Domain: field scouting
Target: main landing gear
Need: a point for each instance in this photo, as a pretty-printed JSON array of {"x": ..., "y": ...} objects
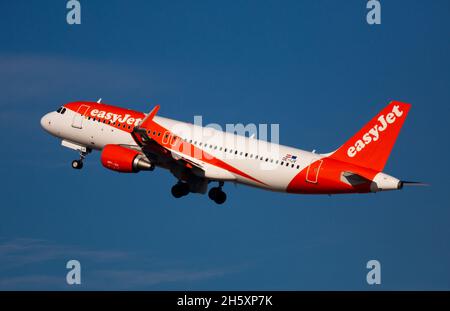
[
  {"x": 217, "y": 195},
  {"x": 78, "y": 164},
  {"x": 180, "y": 189}
]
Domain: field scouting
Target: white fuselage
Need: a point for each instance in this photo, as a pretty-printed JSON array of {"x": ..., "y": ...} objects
[
  {"x": 260, "y": 159},
  {"x": 197, "y": 154}
]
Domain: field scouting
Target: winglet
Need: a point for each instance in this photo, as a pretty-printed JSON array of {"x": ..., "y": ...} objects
[{"x": 149, "y": 118}]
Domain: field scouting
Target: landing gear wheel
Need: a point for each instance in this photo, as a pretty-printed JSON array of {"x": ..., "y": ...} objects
[
  {"x": 213, "y": 193},
  {"x": 185, "y": 189},
  {"x": 221, "y": 197},
  {"x": 77, "y": 164},
  {"x": 179, "y": 190},
  {"x": 217, "y": 195},
  {"x": 176, "y": 192}
]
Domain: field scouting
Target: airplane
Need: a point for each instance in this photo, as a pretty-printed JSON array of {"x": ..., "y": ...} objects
[{"x": 131, "y": 141}]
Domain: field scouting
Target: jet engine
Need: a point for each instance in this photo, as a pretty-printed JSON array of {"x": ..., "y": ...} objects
[{"x": 124, "y": 160}]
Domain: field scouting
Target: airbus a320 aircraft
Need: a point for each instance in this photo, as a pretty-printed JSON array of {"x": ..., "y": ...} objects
[{"x": 131, "y": 141}]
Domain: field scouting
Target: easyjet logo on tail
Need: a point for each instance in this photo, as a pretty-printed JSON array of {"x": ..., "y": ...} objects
[{"x": 384, "y": 121}]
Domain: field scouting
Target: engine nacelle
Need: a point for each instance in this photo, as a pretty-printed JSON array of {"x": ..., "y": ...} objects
[{"x": 124, "y": 160}]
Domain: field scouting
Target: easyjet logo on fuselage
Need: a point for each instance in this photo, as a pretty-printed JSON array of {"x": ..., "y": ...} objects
[
  {"x": 128, "y": 119},
  {"x": 374, "y": 133}
]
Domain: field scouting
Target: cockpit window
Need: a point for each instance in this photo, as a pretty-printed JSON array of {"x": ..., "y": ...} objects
[{"x": 61, "y": 110}]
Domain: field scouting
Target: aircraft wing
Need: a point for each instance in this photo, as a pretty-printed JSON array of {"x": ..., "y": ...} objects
[
  {"x": 168, "y": 150},
  {"x": 153, "y": 147}
]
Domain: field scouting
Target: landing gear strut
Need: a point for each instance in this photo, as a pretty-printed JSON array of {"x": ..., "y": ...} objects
[
  {"x": 78, "y": 164},
  {"x": 180, "y": 189},
  {"x": 217, "y": 195}
]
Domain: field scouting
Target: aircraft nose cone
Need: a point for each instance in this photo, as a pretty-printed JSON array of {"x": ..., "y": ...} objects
[{"x": 46, "y": 122}]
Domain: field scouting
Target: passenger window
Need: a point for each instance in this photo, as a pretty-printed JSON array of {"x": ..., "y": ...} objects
[
  {"x": 59, "y": 110},
  {"x": 282, "y": 163},
  {"x": 63, "y": 110},
  {"x": 298, "y": 166}
]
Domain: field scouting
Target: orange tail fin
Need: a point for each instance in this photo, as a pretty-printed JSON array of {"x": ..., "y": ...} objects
[{"x": 371, "y": 146}]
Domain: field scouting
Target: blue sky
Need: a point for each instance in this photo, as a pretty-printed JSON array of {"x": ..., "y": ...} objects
[{"x": 315, "y": 67}]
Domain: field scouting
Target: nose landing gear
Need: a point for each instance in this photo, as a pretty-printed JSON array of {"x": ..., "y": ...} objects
[
  {"x": 78, "y": 164},
  {"x": 217, "y": 195}
]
